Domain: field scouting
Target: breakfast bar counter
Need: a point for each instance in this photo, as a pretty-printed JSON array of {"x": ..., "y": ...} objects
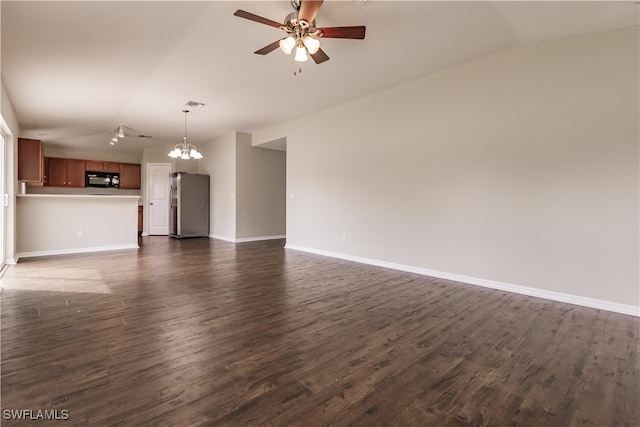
[{"x": 51, "y": 224}]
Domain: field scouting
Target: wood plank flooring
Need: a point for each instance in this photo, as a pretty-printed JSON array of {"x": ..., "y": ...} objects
[{"x": 205, "y": 332}]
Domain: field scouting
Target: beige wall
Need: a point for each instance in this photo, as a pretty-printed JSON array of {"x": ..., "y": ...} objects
[
  {"x": 519, "y": 168},
  {"x": 10, "y": 127},
  {"x": 105, "y": 155},
  {"x": 261, "y": 190},
  {"x": 248, "y": 188},
  {"x": 219, "y": 163}
]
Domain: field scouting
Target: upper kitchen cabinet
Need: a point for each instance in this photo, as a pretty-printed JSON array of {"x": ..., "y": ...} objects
[
  {"x": 130, "y": 176},
  {"x": 65, "y": 172},
  {"x": 31, "y": 161},
  {"x": 98, "y": 166}
]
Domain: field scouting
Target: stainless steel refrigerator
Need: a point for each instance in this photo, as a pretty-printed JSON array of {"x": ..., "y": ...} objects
[{"x": 189, "y": 209}]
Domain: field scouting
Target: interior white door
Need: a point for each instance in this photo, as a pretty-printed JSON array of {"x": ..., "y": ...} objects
[{"x": 159, "y": 183}]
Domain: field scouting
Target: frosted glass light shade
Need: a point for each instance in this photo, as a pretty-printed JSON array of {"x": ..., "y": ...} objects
[
  {"x": 301, "y": 54},
  {"x": 287, "y": 45},
  {"x": 311, "y": 44}
]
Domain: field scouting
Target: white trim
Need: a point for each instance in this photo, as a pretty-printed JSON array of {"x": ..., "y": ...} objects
[
  {"x": 259, "y": 238},
  {"x": 77, "y": 250},
  {"x": 225, "y": 238},
  {"x": 246, "y": 239},
  {"x": 11, "y": 261},
  {"x": 518, "y": 289}
]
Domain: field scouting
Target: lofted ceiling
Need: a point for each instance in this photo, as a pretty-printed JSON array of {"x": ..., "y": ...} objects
[{"x": 76, "y": 70}]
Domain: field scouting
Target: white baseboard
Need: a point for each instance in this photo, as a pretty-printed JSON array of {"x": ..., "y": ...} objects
[
  {"x": 259, "y": 238},
  {"x": 11, "y": 261},
  {"x": 518, "y": 289},
  {"x": 225, "y": 238},
  {"x": 76, "y": 250},
  {"x": 246, "y": 239}
]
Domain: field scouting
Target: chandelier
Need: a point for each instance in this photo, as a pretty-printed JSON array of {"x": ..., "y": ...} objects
[{"x": 185, "y": 150}]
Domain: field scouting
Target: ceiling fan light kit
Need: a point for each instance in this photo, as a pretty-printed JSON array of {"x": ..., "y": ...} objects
[{"x": 302, "y": 33}]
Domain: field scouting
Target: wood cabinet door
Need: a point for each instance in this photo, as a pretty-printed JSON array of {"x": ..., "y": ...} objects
[
  {"x": 65, "y": 172},
  {"x": 94, "y": 165},
  {"x": 111, "y": 167},
  {"x": 99, "y": 166},
  {"x": 57, "y": 173},
  {"x": 130, "y": 176},
  {"x": 75, "y": 172},
  {"x": 30, "y": 160}
]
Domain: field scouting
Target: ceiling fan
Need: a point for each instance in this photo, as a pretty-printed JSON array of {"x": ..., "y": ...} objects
[{"x": 302, "y": 33}]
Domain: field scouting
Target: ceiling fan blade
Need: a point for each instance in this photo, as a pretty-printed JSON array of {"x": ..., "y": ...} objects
[
  {"x": 356, "y": 32},
  {"x": 309, "y": 9},
  {"x": 319, "y": 57},
  {"x": 268, "y": 48},
  {"x": 250, "y": 16}
]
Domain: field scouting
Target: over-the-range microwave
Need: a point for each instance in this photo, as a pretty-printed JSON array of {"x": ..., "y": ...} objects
[{"x": 102, "y": 179}]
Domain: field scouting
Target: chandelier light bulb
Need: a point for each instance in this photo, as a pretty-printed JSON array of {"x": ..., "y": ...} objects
[{"x": 121, "y": 132}]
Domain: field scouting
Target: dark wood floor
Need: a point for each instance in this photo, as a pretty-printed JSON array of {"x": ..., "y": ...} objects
[{"x": 204, "y": 332}]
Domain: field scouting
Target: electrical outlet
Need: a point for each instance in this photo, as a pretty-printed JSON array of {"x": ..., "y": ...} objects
[
  {"x": 344, "y": 237},
  {"x": 80, "y": 233}
]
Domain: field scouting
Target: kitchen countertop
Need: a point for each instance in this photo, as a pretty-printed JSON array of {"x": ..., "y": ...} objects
[{"x": 79, "y": 196}]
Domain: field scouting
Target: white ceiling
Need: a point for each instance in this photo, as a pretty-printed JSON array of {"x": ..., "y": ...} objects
[{"x": 76, "y": 70}]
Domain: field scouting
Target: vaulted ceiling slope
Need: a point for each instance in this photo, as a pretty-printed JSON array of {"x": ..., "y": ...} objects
[{"x": 76, "y": 70}]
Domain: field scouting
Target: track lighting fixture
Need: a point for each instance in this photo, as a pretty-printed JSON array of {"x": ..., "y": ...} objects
[{"x": 117, "y": 134}]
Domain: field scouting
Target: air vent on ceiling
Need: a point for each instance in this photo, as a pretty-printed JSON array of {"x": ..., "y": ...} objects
[{"x": 195, "y": 104}]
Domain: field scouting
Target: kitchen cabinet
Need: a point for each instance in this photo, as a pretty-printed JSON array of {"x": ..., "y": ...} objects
[
  {"x": 140, "y": 219},
  {"x": 65, "y": 172},
  {"x": 130, "y": 176},
  {"x": 98, "y": 166},
  {"x": 31, "y": 161}
]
